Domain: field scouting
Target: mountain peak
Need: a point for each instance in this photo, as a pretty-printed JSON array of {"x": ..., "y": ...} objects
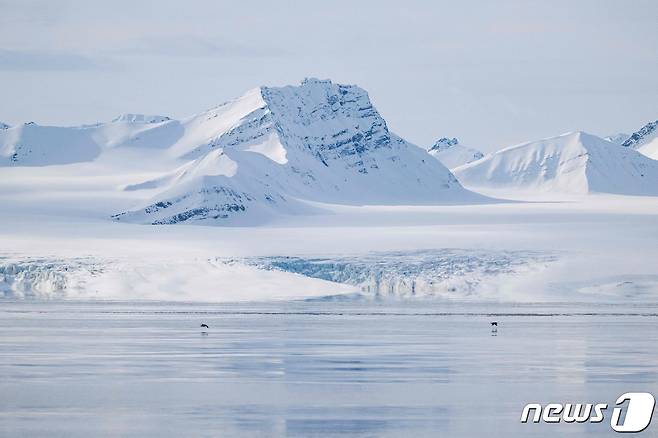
[
  {"x": 333, "y": 122},
  {"x": 574, "y": 162},
  {"x": 452, "y": 154},
  {"x": 444, "y": 143}
]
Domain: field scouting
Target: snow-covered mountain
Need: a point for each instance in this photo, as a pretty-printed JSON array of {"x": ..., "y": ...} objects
[
  {"x": 273, "y": 148},
  {"x": 573, "y": 163},
  {"x": 453, "y": 154},
  {"x": 645, "y": 140},
  {"x": 4, "y": 126}
]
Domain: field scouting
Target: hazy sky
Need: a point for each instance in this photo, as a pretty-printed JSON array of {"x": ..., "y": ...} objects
[{"x": 492, "y": 73}]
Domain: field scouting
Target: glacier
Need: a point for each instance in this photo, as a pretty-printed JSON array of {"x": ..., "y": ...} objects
[
  {"x": 447, "y": 273},
  {"x": 441, "y": 273}
]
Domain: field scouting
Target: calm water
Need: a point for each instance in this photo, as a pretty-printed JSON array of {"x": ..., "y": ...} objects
[{"x": 314, "y": 369}]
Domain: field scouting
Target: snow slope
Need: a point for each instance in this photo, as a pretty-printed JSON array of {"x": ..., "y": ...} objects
[
  {"x": 453, "y": 154},
  {"x": 575, "y": 162},
  {"x": 264, "y": 153},
  {"x": 645, "y": 140}
]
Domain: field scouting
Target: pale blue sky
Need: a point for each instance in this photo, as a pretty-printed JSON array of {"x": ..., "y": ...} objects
[{"x": 490, "y": 73}]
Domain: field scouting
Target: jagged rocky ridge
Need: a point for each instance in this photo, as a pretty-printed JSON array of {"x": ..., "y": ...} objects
[
  {"x": 638, "y": 138},
  {"x": 645, "y": 140}
]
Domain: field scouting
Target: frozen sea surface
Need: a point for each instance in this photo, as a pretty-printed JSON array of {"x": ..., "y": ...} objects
[{"x": 306, "y": 369}]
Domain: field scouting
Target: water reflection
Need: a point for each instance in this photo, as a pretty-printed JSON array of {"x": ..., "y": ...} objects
[{"x": 304, "y": 369}]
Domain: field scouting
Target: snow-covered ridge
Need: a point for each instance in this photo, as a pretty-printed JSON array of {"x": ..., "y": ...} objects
[
  {"x": 30, "y": 144},
  {"x": 572, "y": 163},
  {"x": 453, "y": 154}
]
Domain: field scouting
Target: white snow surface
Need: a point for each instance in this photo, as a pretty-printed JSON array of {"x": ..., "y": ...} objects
[
  {"x": 453, "y": 154},
  {"x": 575, "y": 162}
]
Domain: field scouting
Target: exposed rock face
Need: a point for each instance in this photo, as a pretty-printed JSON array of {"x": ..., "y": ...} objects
[
  {"x": 645, "y": 140},
  {"x": 443, "y": 144},
  {"x": 637, "y": 139}
]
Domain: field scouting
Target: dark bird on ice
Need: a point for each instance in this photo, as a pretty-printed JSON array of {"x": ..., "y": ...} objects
[
  {"x": 204, "y": 325},
  {"x": 494, "y": 324}
]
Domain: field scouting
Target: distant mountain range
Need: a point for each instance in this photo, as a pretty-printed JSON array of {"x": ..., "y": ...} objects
[{"x": 279, "y": 151}]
